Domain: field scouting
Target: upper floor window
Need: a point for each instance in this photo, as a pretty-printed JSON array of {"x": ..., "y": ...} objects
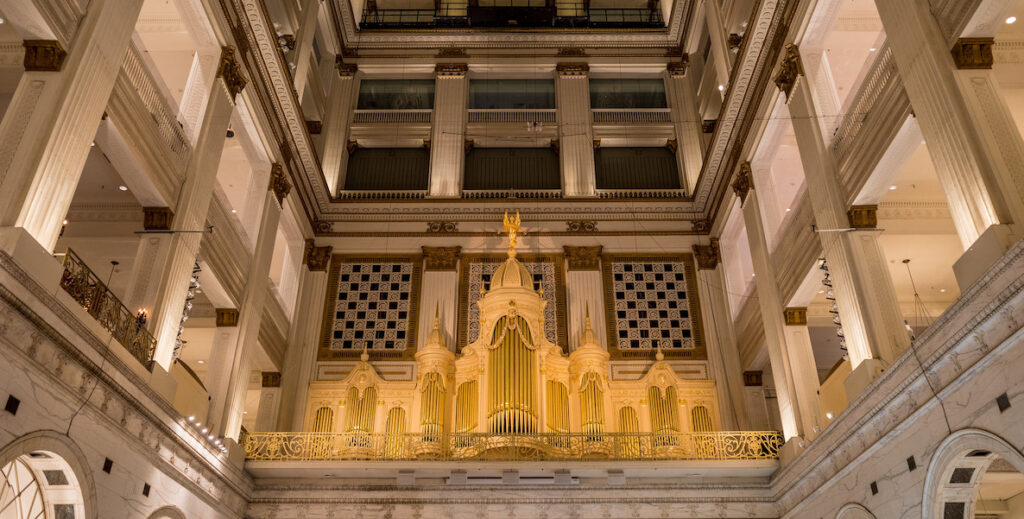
[
  {"x": 396, "y": 94},
  {"x": 524, "y": 94},
  {"x": 627, "y": 93}
]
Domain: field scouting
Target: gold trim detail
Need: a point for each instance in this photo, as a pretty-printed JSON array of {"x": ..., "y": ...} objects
[
  {"x": 230, "y": 71},
  {"x": 226, "y": 317},
  {"x": 571, "y": 70},
  {"x": 863, "y": 216},
  {"x": 973, "y": 53},
  {"x": 442, "y": 258},
  {"x": 583, "y": 258},
  {"x": 791, "y": 69},
  {"x": 451, "y": 70},
  {"x": 795, "y": 316},
  {"x": 43, "y": 56}
]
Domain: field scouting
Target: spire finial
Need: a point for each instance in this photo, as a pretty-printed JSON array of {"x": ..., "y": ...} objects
[
  {"x": 659, "y": 356},
  {"x": 365, "y": 356},
  {"x": 511, "y": 226}
]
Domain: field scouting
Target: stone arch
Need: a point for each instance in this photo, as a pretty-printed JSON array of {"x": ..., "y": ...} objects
[
  {"x": 854, "y": 511},
  {"x": 167, "y": 512},
  {"x": 955, "y": 470},
  {"x": 56, "y": 451}
]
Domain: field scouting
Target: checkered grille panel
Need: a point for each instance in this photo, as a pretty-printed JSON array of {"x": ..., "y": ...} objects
[
  {"x": 651, "y": 306},
  {"x": 543, "y": 277},
  {"x": 373, "y": 307}
]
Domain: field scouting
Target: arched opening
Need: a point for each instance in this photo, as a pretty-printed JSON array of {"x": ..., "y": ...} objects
[
  {"x": 167, "y": 512},
  {"x": 975, "y": 474},
  {"x": 40, "y": 484},
  {"x": 854, "y": 511}
]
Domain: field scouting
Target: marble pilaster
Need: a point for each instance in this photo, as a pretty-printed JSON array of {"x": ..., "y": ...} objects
[
  {"x": 337, "y": 119},
  {"x": 300, "y": 357},
  {"x": 218, "y": 367},
  {"x": 304, "y": 44},
  {"x": 805, "y": 371},
  {"x": 439, "y": 293},
  {"x": 722, "y": 57},
  {"x": 584, "y": 289},
  {"x": 448, "y": 132},
  {"x": 575, "y": 131},
  {"x": 686, "y": 122}
]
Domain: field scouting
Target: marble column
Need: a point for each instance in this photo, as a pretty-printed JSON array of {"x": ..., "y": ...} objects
[
  {"x": 303, "y": 338},
  {"x": 719, "y": 41},
  {"x": 201, "y": 80},
  {"x": 439, "y": 292},
  {"x": 270, "y": 402},
  {"x": 792, "y": 405},
  {"x": 966, "y": 171},
  {"x": 575, "y": 130},
  {"x": 304, "y": 43},
  {"x": 54, "y": 113},
  {"x": 871, "y": 321},
  {"x": 448, "y": 132},
  {"x": 192, "y": 207},
  {"x": 805, "y": 369},
  {"x": 149, "y": 259},
  {"x": 218, "y": 368},
  {"x": 251, "y": 306},
  {"x": 584, "y": 289},
  {"x": 686, "y": 122},
  {"x": 337, "y": 119},
  {"x": 723, "y": 354}
]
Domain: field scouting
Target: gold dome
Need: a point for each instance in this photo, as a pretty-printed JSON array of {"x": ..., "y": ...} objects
[{"x": 512, "y": 274}]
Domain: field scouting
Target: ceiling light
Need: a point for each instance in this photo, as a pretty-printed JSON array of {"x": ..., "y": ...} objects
[
  {"x": 829, "y": 415},
  {"x": 821, "y": 291},
  {"x": 234, "y": 211},
  {"x": 245, "y": 412},
  {"x": 201, "y": 361},
  {"x": 1011, "y": 19},
  {"x": 943, "y": 290},
  {"x": 1, "y": 20},
  {"x": 123, "y": 188},
  {"x": 872, "y": 49},
  {"x": 892, "y": 188},
  {"x": 788, "y": 209},
  {"x": 65, "y": 221},
  {"x": 721, "y": 88}
]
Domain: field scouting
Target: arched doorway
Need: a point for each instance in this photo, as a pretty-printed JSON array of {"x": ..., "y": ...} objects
[
  {"x": 975, "y": 474},
  {"x": 40, "y": 485}
]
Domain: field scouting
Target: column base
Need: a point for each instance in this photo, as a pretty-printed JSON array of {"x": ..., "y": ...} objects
[
  {"x": 791, "y": 450},
  {"x": 861, "y": 377},
  {"x": 982, "y": 254}
]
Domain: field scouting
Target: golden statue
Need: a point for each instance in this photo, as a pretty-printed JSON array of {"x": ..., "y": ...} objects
[{"x": 512, "y": 228}]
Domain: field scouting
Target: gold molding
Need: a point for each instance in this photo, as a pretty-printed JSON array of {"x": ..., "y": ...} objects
[{"x": 863, "y": 216}]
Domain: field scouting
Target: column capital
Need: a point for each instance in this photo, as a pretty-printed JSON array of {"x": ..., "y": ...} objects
[
  {"x": 270, "y": 379},
  {"x": 316, "y": 258},
  {"x": 451, "y": 70},
  {"x": 345, "y": 69},
  {"x": 792, "y": 68},
  {"x": 753, "y": 378},
  {"x": 678, "y": 68},
  {"x": 571, "y": 70},
  {"x": 226, "y": 317},
  {"x": 279, "y": 183},
  {"x": 742, "y": 185},
  {"x": 230, "y": 71},
  {"x": 708, "y": 256},
  {"x": 442, "y": 258},
  {"x": 583, "y": 258},
  {"x": 157, "y": 218},
  {"x": 973, "y": 53},
  {"x": 44, "y": 55},
  {"x": 314, "y": 127},
  {"x": 701, "y": 225},
  {"x": 795, "y": 316},
  {"x": 863, "y": 216}
]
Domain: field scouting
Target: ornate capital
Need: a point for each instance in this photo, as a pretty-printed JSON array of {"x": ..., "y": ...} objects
[
  {"x": 442, "y": 258},
  {"x": 315, "y": 127},
  {"x": 672, "y": 145},
  {"x": 317, "y": 258},
  {"x": 791, "y": 69},
  {"x": 278, "y": 182},
  {"x": 735, "y": 42},
  {"x": 322, "y": 227},
  {"x": 345, "y": 69},
  {"x": 678, "y": 68},
  {"x": 795, "y": 316},
  {"x": 572, "y": 69},
  {"x": 271, "y": 379},
  {"x": 583, "y": 258},
  {"x": 157, "y": 218},
  {"x": 753, "y": 378},
  {"x": 707, "y": 255},
  {"x": 708, "y": 125},
  {"x": 44, "y": 55},
  {"x": 701, "y": 225},
  {"x": 452, "y": 70},
  {"x": 973, "y": 53},
  {"x": 741, "y": 186},
  {"x": 581, "y": 226},
  {"x": 863, "y": 216},
  {"x": 230, "y": 71},
  {"x": 226, "y": 317}
]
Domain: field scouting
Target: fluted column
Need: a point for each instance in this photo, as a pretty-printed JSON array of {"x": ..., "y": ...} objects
[
  {"x": 575, "y": 131},
  {"x": 303, "y": 338},
  {"x": 723, "y": 354},
  {"x": 584, "y": 288},
  {"x": 966, "y": 172},
  {"x": 201, "y": 80},
  {"x": 719, "y": 41},
  {"x": 54, "y": 113},
  {"x": 270, "y": 401},
  {"x": 686, "y": 122},
  {"x": 149, "y": 259},
  {"x": 439, "y": 292},
  {"x": 448, "y": 132},
  {"x": 193, "y": 206},
  {"x": 864, "y": 292},
  {"x": 337, "y": 119},
  {"x": 251, "y": 306},
  {"x": 796, "y": 421},
  {"x": 304, "y": 43},
  {"x": 218, "y": 367},
  {"x": 805, "y": 369}
]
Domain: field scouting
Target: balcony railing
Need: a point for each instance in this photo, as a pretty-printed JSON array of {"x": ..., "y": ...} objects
[
  {"x": 86, "y": 288},
  {"x": 382, "y": 195},
  {"x": 511, "y": 116},
  {"x": 391, "y": 116},
  {"x": 512, "y": 13},
  {"x": 511, "y": 193},
  {"x": 632, "y": 115},
  {"x": 286, "y": 446},
  {"x": 641, "y": 193}
]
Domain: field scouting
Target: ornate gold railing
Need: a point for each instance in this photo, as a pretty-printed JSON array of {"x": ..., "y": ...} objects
[
  {"x": 94, "y": 296},
  {"x": 740, "y": 445}
]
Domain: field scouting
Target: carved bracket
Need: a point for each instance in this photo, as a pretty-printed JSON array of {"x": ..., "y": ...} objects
[
  {"x": 451, "y": 70},
  {"x": 44, "y": 55},
  {"x": 790, "y": 70},
  {"x": 278, "y": 183},
  {"x": 583, "y": 258},
  {"x": 317, "y": 258},
  {"x": 157, "y": 218},
  {"x": 795, "y": 316},
  {"x": 230, "y": 71},
  {"x": 741, "y": 186},
  {"x": 226, "y": 317},
  {"x": 442, "y": 258},
  {"x": 572, "y": 70},
  {"x": 973, "y": 53},
  {"x": 707, "y": 255},
  {"x": 863, "y": 216}
]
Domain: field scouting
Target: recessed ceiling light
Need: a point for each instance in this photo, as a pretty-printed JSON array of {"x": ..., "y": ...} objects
[
  {"x": 821, "y": 291},
  {"x": 892, "y": 188},
  {"x": 1011, "y": 19},
  {"x": 943, "y": 290},
  {"x": 872, "y": 49},
  {"x": 233, "y": 211},
  {"x": 245, "y": 412},
  {"x": 721, "y": 88},
  {"x": 2, "y": 20},
  {"x": 92, "y": 144},
  {"x": 788, "y": 209},
  {"x": 829, "y": 415},
  {"x": 201, "y": 362},
  {"x": 123, "y": 188}
]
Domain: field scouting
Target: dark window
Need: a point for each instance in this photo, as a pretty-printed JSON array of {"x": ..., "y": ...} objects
[
  {"x": 396, "y": 94},
  {"x": 493, "y": 94},
  {"x": 636, "y": 168},
  {"x": 627, "y": 93},
  {"x": 372, "y": 169},
  {"x": 512, "y": 168}
]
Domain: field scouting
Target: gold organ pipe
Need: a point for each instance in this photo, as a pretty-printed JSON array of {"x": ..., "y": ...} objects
[
  {"x": 628, "y": 423},
  {"x": 323, "y": 420},
  {"x": 701, "y": 419},
  {"x": 432, "y": 407},
  {"x": 512, "y": 395},
  {"x": 466, "y": 407},
  {"x": 352, "y": 410},
  {"x": 558, "y": 407},
  {"x": 394, "y": 428},
  {"x": 592, "y": 404}
]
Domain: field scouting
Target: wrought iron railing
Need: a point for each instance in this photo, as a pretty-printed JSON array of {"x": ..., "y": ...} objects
[
  {"x": 286, "y": 446},
  {"x": 512, "y": 116},
  {"x": 641, "y": 193},
  {"x": 396, "y": 194},
  {"x": 512, "y": 13},
  {"x": 511, "y": 193},
  {"x": 86, "y": 288},
  {"x": 391, "y": 116},
  {"x": 632, "y": 115}
]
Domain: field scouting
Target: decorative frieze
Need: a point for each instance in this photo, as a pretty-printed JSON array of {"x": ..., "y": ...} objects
[
  {"x": 157, "y": 218},
  {"x": 230, "y": 71},
  {"x": 973, "y": 53},
  {"x": 572, "y": 51},
  {"x": 569, "y": 70},
  {"x": 581, "y": 226},
  {"x": 226, "y": 317},
  {"x": 795, "y": 316},
  {"x": 791, "y": 69},
  {"x": 863, "y": 216},
  {"x": 452, "y": 52},
  {"x": 443, "y": 226},
  {"x": 741, "y": 186},
  {"x": 678, "y": 68},
  {"x": 44, "y": 56},
  {"x": 317, "y": 258},
  {"x": 583, "y": 258},
  {"x": 442, "y": 258},
  {"x": 271, "y": 379},
  {"x": 451, "y": 70},
  {"x": 279, "y": 183},
  {"x": 707, "y": 255}
]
